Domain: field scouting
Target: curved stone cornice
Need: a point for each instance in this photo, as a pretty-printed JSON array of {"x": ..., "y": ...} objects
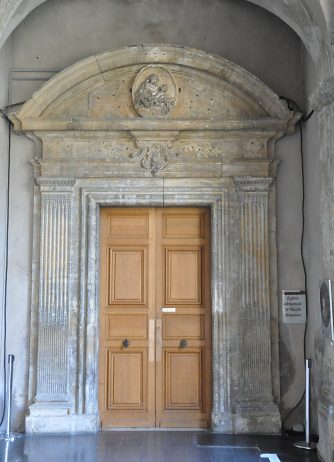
[
  {"x": 252, "y": 105},
  {"x": 323, "y": 95}
]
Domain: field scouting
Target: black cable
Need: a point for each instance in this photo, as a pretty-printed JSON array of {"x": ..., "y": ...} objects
[
  {"x": 303, "y": 229},
  {"x": 292, "y": 105},
  {"x": 6, "y": 268}
]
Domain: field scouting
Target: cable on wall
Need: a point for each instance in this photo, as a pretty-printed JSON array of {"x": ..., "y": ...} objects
[{"x": 293, "y": 106}]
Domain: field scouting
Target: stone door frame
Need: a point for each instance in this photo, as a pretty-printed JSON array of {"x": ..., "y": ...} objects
[
  {"x": 182, "y": 197},
  {"x": 227, "y": 198}
]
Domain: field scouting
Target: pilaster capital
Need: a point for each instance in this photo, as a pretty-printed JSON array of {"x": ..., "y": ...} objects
[
  {"x": 252, "y": 184},
  {"x": 56, "y": 184},
  {"x": 323, "y": 95}
]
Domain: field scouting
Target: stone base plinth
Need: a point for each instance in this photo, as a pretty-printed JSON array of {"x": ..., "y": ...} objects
[
  {"x": 55, "y": 418},
  {"x": 326, "y": 429},
  {"x": 258, "y": 418},
  {"x": 222, "y": 422},
  {"x": 249, "y": 418}
]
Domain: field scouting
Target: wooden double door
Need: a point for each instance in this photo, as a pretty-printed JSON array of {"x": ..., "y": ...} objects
[{"x": 155, "y": 319}]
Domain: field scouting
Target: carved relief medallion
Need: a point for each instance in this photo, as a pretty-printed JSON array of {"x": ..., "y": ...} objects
[{"x": 154, "y": 92}]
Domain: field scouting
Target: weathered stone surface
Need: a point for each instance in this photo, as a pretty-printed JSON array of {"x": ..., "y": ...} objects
[
  {"x": 256, "y": 407},
  {"x": 324, "y": 381},
  {"x": 101, "y": 146},
  {"x": 323, "y": 99}
]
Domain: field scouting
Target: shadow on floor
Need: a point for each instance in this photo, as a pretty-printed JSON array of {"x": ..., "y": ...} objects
[{"x": 150, "y": 446}]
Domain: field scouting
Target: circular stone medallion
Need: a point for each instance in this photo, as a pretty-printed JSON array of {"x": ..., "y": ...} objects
[{"x": 154, "y": 92}]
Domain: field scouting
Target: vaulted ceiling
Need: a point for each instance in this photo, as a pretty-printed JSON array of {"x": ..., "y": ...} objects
[{"x": 312, "y": 20}]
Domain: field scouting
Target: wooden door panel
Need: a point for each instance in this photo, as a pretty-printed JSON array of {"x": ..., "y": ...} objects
[
  {"x": 127, "y": 276},
  {"x": 185, "y": 227},
  {"x": 126, "y": 379},
  {"x": 128, "y": 226},
  {"x": 189, "y": 326},
  {"x": 183, "y": 377},
  {"x": 183, "y": 276},
  {"x": 117, "y": 326}
]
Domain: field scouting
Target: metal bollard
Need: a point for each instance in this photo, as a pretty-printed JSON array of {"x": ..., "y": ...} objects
[
  {"x": 8, "y": 435},
  {"x": 307, "y": 444}
]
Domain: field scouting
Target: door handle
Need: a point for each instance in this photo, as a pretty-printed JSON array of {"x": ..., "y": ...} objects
[
  {"x": 183, "y": 343},
  {"x": 126, "y": 343}
]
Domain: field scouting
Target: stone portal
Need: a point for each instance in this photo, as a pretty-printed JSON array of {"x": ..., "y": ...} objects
[{"x": 154, "y": 126}]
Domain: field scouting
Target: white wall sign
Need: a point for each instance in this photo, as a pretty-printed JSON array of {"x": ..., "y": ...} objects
[{"x": 294, "y": 307}]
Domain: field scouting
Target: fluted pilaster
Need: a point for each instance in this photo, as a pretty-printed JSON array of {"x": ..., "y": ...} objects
[
  {"x": 255, "y": 388},
  {"x": 52, "y": 359}
]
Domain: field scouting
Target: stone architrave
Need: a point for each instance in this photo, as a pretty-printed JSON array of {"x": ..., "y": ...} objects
[
  {"x": 256, "y": 401},
  {"x": 102, "y": 147}
]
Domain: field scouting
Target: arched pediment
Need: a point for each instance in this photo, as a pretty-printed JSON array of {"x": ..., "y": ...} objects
[{"x": 154, "y": 87}]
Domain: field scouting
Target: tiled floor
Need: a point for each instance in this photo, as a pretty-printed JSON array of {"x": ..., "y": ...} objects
[{"x": 149, "y": 446}]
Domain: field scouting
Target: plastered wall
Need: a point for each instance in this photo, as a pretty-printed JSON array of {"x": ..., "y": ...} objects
[
  {"x": 59, "y": 33},
  {"x": 4, "y": 66}
]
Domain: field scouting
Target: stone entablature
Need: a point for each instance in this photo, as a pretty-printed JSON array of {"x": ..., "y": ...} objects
[
  {"x": 152, "y": 153},
  {"x": 154, "y": 126}
]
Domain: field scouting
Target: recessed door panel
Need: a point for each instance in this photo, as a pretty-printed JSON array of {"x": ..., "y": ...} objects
[
  {"x": 183, "y": 377},
  {"x": 127, "y": 276},
  {"x": 178, "y": 326},
  {"x": 155, "y": 353},
  {"x": 189, "y": 226},
  {"x": 128, "y": 226},
  {"x": 183, "y": 276},
  {"x": 117, "y": 326},
  {"x": 126, "y": 387}
]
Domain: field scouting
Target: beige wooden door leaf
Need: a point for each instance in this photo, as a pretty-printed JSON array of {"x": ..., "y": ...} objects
[{"x": 155, "y": 323}]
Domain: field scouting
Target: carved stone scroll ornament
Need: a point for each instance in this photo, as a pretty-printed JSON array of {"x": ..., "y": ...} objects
[
  {"x": 154, "y": 156},
  {"x": 154, "y": 92}
]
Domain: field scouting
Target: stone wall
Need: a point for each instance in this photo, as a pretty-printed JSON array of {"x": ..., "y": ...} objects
[{"x": 323, "y": 102}]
